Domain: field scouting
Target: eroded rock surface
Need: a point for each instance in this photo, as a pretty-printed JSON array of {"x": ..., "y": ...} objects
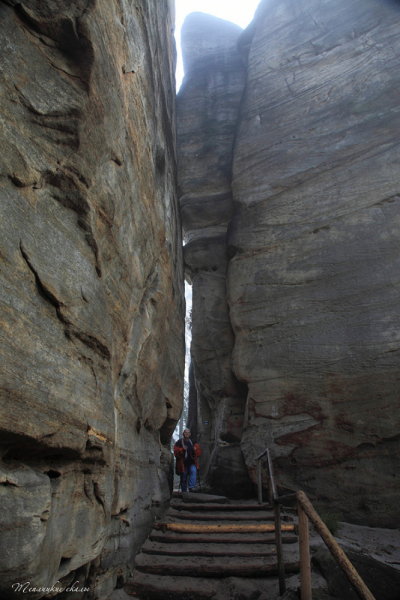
[
  {"x": 207, "y": 107},
  {"x": 313, "y": 251},
  {"x": 91, "y": 287},
  {"x": 314, "y": 281}
]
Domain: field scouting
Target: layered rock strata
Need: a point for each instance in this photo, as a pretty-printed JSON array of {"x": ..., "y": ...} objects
[
  {"x": 313, "y": 271},
  {"x": 313, "y": 284},
  {"x": 207, "y": 108},
  {"x": 91, "y": 287}
]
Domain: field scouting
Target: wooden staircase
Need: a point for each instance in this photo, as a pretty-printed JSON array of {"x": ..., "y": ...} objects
[{"x": 197, "y": 547}]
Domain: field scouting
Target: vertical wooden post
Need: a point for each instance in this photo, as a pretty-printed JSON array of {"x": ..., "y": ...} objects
[
  {"x": 334, "y": 547},
  {"x": 305, "y": 565},
  {"x": 259, "y": 481},
  {"x": 279, "y": 548}
]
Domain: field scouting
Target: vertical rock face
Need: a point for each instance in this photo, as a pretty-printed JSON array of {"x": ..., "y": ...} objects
[
  {"x": 207, "y": 106},
  {"x": 314, "y": 282},
  {"x": 91, "y": 287},
  {"x": 313, "y": 271}
]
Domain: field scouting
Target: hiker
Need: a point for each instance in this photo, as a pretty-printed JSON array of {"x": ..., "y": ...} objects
[{"x": 186, "y": 453}]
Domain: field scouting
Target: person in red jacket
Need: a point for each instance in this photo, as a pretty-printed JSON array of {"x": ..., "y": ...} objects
[{"x": 186, "y": 453}]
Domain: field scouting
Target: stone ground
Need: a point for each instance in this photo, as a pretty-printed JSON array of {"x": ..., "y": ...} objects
[{"x": 382, "y": 544}]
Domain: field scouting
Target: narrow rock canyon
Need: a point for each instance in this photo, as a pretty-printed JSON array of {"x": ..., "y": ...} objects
[
  {"x": 208, "y": 108},
  {"x": 277, "y": 168}
]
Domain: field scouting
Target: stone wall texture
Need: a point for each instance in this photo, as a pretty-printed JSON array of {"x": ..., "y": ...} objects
[
  {"x": 313, "y": 261},
  {"x": 92, "y": 308}
]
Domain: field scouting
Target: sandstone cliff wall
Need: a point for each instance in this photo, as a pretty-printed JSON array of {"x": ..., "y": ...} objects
[
  {"x": 91, "y": 335},
  {"x": 313, "y": 271}
]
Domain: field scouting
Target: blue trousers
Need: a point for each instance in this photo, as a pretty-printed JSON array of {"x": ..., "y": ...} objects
[{"x": 190, "y": 471}]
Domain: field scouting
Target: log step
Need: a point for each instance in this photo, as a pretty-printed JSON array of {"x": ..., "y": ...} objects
[
  {"x": 209, "y": 567},
  {"x": 203, "y": 548},
  {"x": 221, "y": 517},
  {"x": 166, "y": 538},
  {"x": 224, "y": 507},
  {"x": 198, "y": 498},
  {"x": 208, "y": 550},
  {"x": 236, "y": 528},
  {"x": 156, "y": 587}
]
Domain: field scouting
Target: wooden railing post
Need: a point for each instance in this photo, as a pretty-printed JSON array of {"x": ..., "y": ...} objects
[
  {"x": 306, "y": 511},
  {"x": 278, "y": 528},
  {"x": 259, "y": 481},
  {"x": 279, "y": 548},
  {"x": 304, "y": 548},
  {"x": 334, "y": 547},
  {"x": 259, "y": 475}
]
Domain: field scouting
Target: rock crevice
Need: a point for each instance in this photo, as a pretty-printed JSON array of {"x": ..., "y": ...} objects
[{"x": 208, "y": 109}]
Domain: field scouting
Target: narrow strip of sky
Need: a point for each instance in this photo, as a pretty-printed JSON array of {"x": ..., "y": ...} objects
[{"x": 240, "y": 12}]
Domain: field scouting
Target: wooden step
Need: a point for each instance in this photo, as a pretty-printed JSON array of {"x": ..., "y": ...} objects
[
  {"x": 166, "y": 538},
  {"x": 156, "y": 587},
  {"x": 225, "y": 507},
  {"x": 202, "y": 550},
  {"x": 210, "y": 567},
  {"x": 197, "y": 498},
  {"x": 222, "y": 517},
  {"x": 207, "y": 549},
  {"x": 235, "y": 528}
]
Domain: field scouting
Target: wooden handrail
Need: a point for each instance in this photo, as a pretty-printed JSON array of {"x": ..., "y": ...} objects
[
  {"x": 334, "y": 548},
  {"x": 306, "y": 512},
  {"x": 277, "y": 514},
  {"x": 271, "y": 476},
  {"x": 259, "y": 475},
  {"x": 262, "y": 454}
]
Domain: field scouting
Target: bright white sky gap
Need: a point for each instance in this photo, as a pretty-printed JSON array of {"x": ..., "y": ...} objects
[{"x": 240, "y": 12}]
